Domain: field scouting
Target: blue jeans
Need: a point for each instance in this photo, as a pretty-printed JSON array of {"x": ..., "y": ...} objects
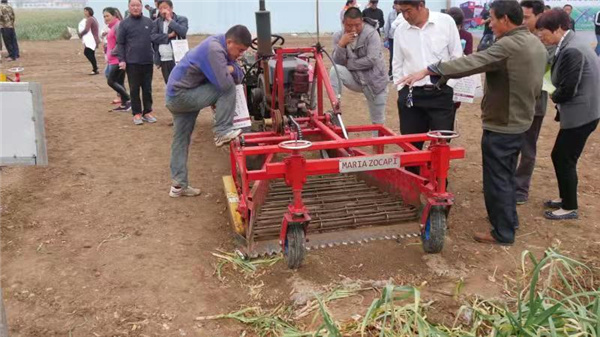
[
  {"x": 598, "y": 45},
  {"x": 185, "y": 107}
]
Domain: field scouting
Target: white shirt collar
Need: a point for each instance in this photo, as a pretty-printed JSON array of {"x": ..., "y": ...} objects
[
  {"x": 433, "y": 19},
  {"x": 562, "y": 39}
]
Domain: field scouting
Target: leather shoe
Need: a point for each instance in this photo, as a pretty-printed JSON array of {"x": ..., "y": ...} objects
[{"x": 488, "y": 238}]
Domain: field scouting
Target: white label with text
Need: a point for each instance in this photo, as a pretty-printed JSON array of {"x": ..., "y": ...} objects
[{"x": 369, "y": 163}]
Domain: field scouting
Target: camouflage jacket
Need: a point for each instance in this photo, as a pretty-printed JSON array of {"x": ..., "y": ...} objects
[{"x": 7, "y": 16}]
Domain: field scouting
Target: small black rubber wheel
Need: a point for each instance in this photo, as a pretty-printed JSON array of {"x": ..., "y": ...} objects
[
  {"x": 295, "y": 249},
  {"x": 435, "y": 230}
]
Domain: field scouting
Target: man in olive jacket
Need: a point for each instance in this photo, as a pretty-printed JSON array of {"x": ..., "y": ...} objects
[{"x": 514, "y": 68}]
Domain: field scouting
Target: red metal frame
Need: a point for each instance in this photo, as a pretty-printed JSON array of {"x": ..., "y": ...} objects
[{"x": 429, "y": 186}]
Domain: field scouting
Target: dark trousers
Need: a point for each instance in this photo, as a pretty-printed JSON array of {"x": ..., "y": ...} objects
[
  {"x": 565, "y": 154},
  {"x": 486, "y": 41},
  {"x": 391, "y": 49},
  {"x": 10, "y": 42},
  {"x": 140, "y": 77},
  {"x": 527, "y": 160},
  {"x": 166, "y": 67},
  {"x": 91, "y": 56},
  {"x": 116, "y": 80},
  {"x": 432, "y": 109},
  {"x": 500, "y": 152}
]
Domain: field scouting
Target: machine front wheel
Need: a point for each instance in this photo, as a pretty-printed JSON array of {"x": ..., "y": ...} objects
[
  {"x": 435, "y": 230},
  {"x": 294, "y": 246}
]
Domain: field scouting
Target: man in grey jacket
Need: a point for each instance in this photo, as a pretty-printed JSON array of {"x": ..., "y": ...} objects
[
  {"x": 358, "y": 57},
  {"x": 168, "y": 26}
]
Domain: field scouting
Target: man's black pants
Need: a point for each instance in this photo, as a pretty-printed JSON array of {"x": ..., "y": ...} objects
[
  {"x": 10, "y": 41},
  {"x": 565, "y": 154},
  {"x": 140, "y": 77},
  {"x": 91, "y": 56},
  {"x": 433, "y": 109},
  {"x": 166, "y": 67},
  {"x": 500, "y": 152},
  {"x": 116, "y": 80}
]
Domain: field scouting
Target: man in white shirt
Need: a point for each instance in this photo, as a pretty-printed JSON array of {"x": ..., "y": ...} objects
[{"x": 424, "y": 38}]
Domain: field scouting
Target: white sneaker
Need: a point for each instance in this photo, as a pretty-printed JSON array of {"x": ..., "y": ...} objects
[
  {"x": 228, "y": 137},
  {"x": 189, "y": 191}
]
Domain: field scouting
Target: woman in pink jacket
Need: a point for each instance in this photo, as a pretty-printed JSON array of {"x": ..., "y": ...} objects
[{"x": 116, "y": 76}]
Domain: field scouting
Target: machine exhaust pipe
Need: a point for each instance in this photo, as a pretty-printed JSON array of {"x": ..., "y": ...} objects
[{"x": 263, "y": 30}]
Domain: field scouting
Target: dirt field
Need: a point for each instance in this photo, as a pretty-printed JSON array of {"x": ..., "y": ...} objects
[{"x": 93, "y": 246}]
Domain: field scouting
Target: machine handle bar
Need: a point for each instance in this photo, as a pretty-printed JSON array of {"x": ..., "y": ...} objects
[
  {"x": 297, "y": 144},
  {"x": 442, "y": 134}
]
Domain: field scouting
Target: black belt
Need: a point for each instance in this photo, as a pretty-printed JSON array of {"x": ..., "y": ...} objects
[
  {"x": 431, "y": 87},
  {"x": 428, "y": 87}
]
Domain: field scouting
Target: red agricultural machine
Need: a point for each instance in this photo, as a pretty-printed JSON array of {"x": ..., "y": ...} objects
[
  {"x": 472, "y": 12},
  {"x": 305, "y": 181},
  {"x": 17, "y": 71}
]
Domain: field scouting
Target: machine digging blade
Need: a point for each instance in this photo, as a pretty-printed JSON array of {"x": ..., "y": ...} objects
[
  {"x": 362, "y": 236},
  {"x": 344, "y": 210}
]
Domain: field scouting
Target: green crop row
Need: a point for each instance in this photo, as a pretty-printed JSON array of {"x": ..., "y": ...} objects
[{"x": 45, "y": 24}]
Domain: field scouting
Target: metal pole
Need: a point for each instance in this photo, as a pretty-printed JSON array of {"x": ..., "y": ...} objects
[
  {"x": 3, "y": 321},
  {"x": 318, "y": 33}
]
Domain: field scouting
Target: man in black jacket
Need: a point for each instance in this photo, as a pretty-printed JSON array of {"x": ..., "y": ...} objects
[
  {"x": 134, "y": 50},
  {"x": 374, "y": 13},
  {"x": 569, "y": 9},
  {"x": 168, "y": 26}
]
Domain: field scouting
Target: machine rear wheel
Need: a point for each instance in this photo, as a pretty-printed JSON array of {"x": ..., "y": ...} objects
[
  {"x": 294, "y": 247},
  {"x": 435, "y": 230}
]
